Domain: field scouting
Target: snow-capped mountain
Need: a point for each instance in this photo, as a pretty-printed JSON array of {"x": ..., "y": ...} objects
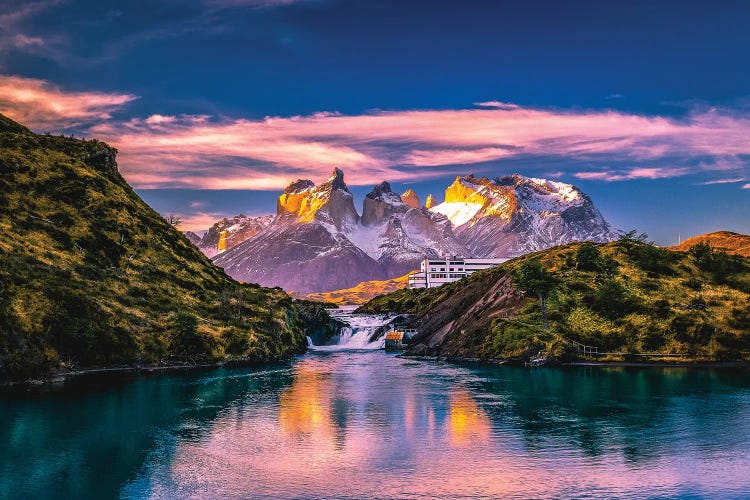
[
  {"x": 229, "y": 232},
  {"x": 306, "y": 249},
  {"x": 513, "y": 215},
  {"x": 318, "y": 242}
]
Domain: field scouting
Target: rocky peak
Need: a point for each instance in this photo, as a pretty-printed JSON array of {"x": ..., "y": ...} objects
[
  {"x": 430, "y": 201},
  {"x": 331, "y": 202},
  {"x": 410, "y": 198},
  {"x": 299, "y": 186},
  {"x": 380, "y": 204},
  {"x": 335, "y": 181}
]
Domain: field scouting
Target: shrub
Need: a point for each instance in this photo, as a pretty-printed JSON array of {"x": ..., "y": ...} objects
[
  {"x": 588, "y": 257},
  {"x": 186, "y": 339},
  {"x": 613, "y": 300}
]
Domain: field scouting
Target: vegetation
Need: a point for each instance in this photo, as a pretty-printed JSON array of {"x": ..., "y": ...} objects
[
  {"x": 534, "y": 279},
  {"x": 625, "y": 297},
  {"x": 91, "y": 276}
]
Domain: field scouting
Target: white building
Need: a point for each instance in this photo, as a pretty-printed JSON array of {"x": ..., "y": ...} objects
[{"x": 436, "y": 272}]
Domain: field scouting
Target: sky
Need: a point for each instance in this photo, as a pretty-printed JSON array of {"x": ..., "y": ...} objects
[{"x": 216, "y": 105}]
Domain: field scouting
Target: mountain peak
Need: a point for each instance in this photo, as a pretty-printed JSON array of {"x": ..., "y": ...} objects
[
  {"x": 410, "y": 198},
  {"x": 299, "y": 186},
  {"x": 335, "y": 181},
  {"x": 380, "y": 204},
  {"x": 430, "y": 201},
  {"x": 331, "y": 202},
  {"x": 384, "y": 188}
]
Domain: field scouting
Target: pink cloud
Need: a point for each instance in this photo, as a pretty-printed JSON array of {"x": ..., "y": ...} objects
[
  {"x": 435, "y": 157},
  {"x": 632, "y": 174},
  {"x": 200, "y": 151},
  {"x": 41, "y": 105},
  {"x": 746, "y": 186},
  {"x": 370, "y": 146}
]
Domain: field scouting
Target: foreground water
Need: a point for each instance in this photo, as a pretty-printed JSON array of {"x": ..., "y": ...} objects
[{"x": 363, "y": 424}]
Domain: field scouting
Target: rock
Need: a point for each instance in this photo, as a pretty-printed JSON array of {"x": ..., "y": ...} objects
[{"x": 410, "y": 198}]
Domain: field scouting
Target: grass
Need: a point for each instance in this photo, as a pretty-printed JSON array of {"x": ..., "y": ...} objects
[
  {"x": 655, "y": 301},
  {"x": 91, "y": 276}
]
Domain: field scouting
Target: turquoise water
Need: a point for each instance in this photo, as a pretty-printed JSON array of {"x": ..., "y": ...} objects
[{"x": 367, "y": 424}]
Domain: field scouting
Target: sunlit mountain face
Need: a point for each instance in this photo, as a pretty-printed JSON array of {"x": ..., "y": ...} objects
[{"x": 400, "y": 92}]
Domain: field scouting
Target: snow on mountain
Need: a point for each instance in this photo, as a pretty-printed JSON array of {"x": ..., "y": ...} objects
[
  {"x": 229, "y": 232},
  {"x": 306, "y": 249},
  {"x": 318, "y": 242},
  {"x": 513, "y": 215}
]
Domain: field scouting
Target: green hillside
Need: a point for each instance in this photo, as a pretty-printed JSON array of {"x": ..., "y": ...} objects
[
  {"x": 91, "y": 276},
  {"x": 622, "y": 297}
]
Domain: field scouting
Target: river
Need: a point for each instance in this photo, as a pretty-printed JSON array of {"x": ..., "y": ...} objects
[{"x": 351, "y": 421}]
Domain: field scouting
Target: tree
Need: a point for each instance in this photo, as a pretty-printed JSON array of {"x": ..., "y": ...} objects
[
  {"x": 173, "y": 219},
  {"x": 533, "y": 278},
  {"x": 588, "y": 256}
]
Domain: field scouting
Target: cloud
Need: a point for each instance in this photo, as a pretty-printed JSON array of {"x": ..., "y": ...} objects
[
  {"x": 13, "y": 25},
  {"x": 746, "y": 186},
  {"x": 634, "y": 173},
  {"x": 496, "y": 104},
  {"x": 41, "y": 105},
  {"x": 220, "y": 153},
  {"x": 200, "y": 221},
  {"x": 200, "y": 151},
  {"x": 723, "y": 181}
]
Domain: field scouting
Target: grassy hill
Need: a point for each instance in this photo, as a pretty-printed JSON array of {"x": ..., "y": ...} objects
[
  {"x": 733, "y": 243},
  {"x": 622, "y": 297},
  {"x": 361, "y": 293},
  {"x": 91, "y": 276}
]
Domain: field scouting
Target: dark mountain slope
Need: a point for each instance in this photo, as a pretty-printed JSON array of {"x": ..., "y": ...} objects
[{"x": 91, "y": 276}]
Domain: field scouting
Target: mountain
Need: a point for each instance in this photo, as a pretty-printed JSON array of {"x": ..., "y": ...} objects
[
  {"x": 230, "y": 232},
  {"x": 91, "y": 276},
  {"x": 398, "y": 236},
  {"x": 514, "y": 215},
  {"x": 411, "y": 199},
  {"x": 733, "y": 243},
  {"x": 305, "y": 249},
  {"x": 621, "y": 297},
  {"x": 319, "y": 243},
  {"x": 361, "y": 293}
]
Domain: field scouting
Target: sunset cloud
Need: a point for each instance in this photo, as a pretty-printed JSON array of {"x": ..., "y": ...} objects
[
  {"x": 41, "y": 105},
  {"x": 205, "y": 152},
  {"x": 635, "y": 173},
  {"x": 402, "y": 145}
]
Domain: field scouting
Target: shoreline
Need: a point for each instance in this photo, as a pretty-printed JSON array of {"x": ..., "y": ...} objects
[
  {"x": 697, "y": 364},
  {"x": 123, "y": 372}
]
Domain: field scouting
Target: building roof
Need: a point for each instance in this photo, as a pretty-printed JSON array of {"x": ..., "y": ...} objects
[{"x": 394, "y": 335}]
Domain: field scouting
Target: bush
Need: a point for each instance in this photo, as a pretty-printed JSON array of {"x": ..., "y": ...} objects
[
  {"x": 186, "y": 339},
  {"x": 613, "y": 300},
  {"x": 588, "y": 257}
]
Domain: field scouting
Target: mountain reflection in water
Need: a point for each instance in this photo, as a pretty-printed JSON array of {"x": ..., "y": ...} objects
[{"x": 367, "y": 424}]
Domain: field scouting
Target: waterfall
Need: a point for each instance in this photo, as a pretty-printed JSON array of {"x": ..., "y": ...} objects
[{"x": 356, "y": 335}]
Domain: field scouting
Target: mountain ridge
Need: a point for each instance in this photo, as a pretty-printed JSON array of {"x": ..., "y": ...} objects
[{"x": 504, "y": 217}]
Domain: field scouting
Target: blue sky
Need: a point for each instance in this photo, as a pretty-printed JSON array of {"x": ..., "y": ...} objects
[{"x": 216, "y": 104}]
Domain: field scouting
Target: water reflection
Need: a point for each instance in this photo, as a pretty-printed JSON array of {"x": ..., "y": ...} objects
[
  {"x": 467, "y": 424},
  {"x": 364, "y": 425}
]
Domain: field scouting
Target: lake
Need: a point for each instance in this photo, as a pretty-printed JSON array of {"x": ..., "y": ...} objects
[{"x": 365, "y": 424}]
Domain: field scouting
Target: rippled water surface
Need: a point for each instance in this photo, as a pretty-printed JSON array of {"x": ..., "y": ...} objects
[{"x": 364, "y": 424}]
